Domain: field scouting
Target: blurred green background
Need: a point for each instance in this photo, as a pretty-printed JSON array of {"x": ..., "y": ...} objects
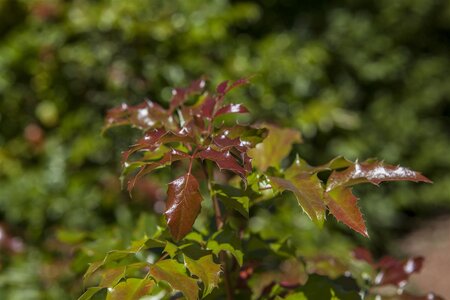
[{"x": 358, "y": 78}]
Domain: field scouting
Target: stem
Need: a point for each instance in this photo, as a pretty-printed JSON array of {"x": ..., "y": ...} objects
[
  {"x": 217, "y": 212},
  {"x": 219, "y": 224}
]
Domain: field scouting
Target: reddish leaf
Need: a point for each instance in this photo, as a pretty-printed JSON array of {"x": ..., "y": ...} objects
[
  {"x": 407, "y": 296},
  {"x": 225, "y": 143},
  {"x": 238, "y": 83},
  {"x": 393, "y": 271},
  {"x": 207, "y": 108},
  {"x": 249, "y": 136},
  {"x": 180, "y": 95},
  {"x": 156, "y": 137},
  {"x": 373, "y": 172},
  {"x": 147, "y": 167},
  {"x": 183, "y": 205},
  {"x": 231, "y": 108},
  {"x": 224, "y": 160},
  {"x": 222, "y": 87},
  {"x": 363, "y": 254},
  {"x": 143, "y": 116},
  {"x": 343, "y": 205},
  {"x": 309, "y": 193}
]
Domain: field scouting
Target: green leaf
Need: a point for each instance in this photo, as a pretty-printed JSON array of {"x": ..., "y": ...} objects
[
  {"x": 174, "y": 273},
  {"x": 183, "y": 205},
  {"x": 343, "y": 205},
  {"x": 274, "y": 148},
  {"x": 206, "y": 269},
  {"x": 90, "y": 292},
  {"x": 114, "y": 255},
  {"x": 195, "y": 237},
  {"x": 171, "y": 249},
  {"x": 308, "y": 190},
  {"x": 233, "y": 198},
  {"x": 131, "y": 289},
  {"x": 145, "y": 243},
  {"x": 300, "y": 165},
  {"x": 296, "y": 296},
  {"x": 226, "y": 240}
]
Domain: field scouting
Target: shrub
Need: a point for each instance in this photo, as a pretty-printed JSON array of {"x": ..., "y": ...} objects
[{"x": 225, "y": 170}]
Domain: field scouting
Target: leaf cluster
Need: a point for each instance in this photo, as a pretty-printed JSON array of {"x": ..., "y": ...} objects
[{"x": 199, "y": 136}]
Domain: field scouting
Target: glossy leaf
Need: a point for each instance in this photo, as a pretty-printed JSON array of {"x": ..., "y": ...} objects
[
  {"x": 143, "y": 116},
  {"x": 206, "y": 269},
  {"x": 343, "y": 205},
  {"x": 393, "y": 271},
  {"x": 131, "y": 289},
  {"x": 174, "y": 273},
  {"x": 300, "y": 165},
  {"x": 207, "y": 108},
  {"x": 309, "y": 193},
  {"x": 155, "y": 138},
  {"x": 406, "y": 296},
  {"x": 231, "y": 109},
  {"x": 224, "y": 160},
  {"x": 275, "y": 147},
  {"x": 248, "y": 135},
  {"x": 373, "y": 172},
  {"x": 180, "y": 95},
  {"x": 147, "y": 167},
  {"x": 183, "y": 205}
]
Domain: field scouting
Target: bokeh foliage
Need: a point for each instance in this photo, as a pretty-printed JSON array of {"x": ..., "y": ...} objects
[{"x": 358, "y": 79}]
